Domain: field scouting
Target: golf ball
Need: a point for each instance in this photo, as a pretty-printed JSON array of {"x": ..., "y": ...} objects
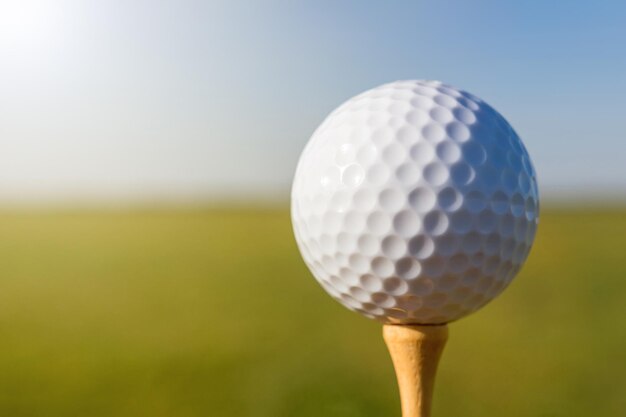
[{"x": 414, "y": 202}]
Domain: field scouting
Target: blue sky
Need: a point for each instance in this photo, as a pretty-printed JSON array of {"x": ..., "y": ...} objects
[{"x": 190, "y": 99}]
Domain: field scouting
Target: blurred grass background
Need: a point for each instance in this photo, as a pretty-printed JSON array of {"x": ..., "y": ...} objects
[{"x": 211, "y": 312}]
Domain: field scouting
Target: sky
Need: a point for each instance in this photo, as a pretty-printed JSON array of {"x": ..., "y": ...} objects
[{"x": 180, "y": 99}]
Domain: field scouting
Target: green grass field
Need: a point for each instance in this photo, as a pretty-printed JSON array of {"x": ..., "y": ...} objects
[{"x": 213, "y": 313}]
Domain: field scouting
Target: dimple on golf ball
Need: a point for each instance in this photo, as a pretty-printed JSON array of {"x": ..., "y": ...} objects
[{"x": 414, "y": 202}]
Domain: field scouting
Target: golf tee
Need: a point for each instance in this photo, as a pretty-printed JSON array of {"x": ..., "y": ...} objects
[{"x": 415, "y": 351}]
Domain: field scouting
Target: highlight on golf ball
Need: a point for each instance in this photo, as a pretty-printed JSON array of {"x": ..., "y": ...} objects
[{"x": 415, "y": 203}]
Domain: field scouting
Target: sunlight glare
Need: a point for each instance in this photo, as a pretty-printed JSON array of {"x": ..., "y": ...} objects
[{"x": 29, "y": 26}]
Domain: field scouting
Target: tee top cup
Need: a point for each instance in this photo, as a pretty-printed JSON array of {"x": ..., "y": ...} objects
[{"x": 415, "y": 204}]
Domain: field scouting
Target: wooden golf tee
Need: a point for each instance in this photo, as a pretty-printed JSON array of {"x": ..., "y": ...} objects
[{"x": 415, "y": 351}]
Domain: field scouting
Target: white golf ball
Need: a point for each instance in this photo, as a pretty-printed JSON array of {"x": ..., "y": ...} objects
[{"x": 414, "y": 202}]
